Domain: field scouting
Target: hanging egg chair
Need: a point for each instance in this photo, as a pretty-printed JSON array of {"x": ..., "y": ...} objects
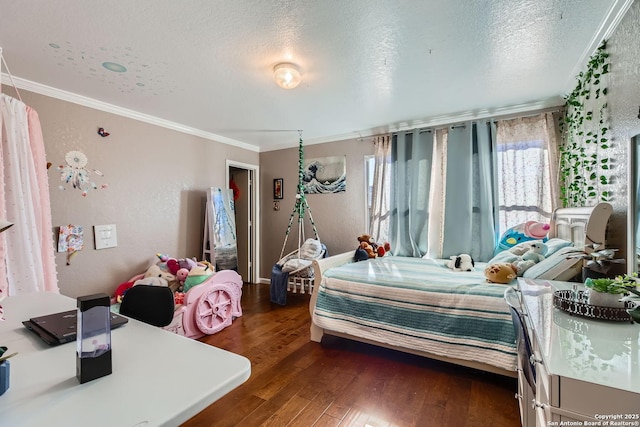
[{"x": 295, "y": 269}]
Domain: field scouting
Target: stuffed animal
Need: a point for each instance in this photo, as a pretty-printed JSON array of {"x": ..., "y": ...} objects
[
  {"x": 383, "y": 249},
  {"x": 462, "y": 262},
  {"x": 196, "y": 276},
  {"x": 500, "y": 273},
  {"x": 181, "y": 275},
  {"x": 187, "y": 263},
  {"x": 360, "y": 255},
  {"x": 530, "y": 230},
  {"x": 372, "y": 248},
  {"x": 157, "y": 276},
  {"x": 155, "y": 270},
  {"x": 120, "y": 291},
  {"x": 367, "y": 246},
  {"x": 152, "y": 281},
  {"x": 174, "y": 264},
  {"x": 535, "y": 253},
  {"x": 522, "y": 266}
]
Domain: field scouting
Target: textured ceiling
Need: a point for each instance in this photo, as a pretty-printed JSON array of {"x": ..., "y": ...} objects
[{"x": 368, "y": 66}]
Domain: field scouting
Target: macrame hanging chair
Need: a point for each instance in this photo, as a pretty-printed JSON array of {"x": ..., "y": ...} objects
[{"x": 298, "y": 263}]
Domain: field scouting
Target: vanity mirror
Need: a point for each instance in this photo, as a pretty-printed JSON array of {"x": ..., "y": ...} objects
[{"x": 633, "y": 213}]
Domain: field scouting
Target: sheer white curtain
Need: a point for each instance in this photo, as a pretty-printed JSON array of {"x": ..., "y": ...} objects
[
  {"x": 527, "y": 169},
  {"x": 380, "y": 195},
  {"x": 27, "y": 261}
]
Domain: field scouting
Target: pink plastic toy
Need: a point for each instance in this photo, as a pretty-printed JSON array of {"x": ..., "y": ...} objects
[{"x": 209, "y": 307}]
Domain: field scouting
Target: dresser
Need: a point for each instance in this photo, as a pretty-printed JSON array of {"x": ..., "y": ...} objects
[{"x": 587, "y": 370}]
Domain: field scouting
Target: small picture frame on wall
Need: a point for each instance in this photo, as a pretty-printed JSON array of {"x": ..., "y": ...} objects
[{"x": 277, "y": 188}]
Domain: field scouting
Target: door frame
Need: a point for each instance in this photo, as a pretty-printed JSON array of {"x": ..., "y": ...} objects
[{"x": 254, "y": 255}]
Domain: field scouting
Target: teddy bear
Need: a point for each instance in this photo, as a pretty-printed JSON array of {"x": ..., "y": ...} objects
[
  {"x": 500, "y": 273},
  {"x": 367, "y": 245},
  {"x": 371, "y": 248},
  {"x": 368, "y": 248},
  {"x": 462, "y": 262}
]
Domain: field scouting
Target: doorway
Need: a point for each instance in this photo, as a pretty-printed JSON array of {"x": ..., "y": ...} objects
[{"x": 243, "y": 179}]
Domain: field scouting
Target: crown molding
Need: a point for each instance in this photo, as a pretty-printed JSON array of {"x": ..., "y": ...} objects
[
  {"x": 120, "y": 111},
  {"x": 535, "y": 107},
  {"x": 604, "y": 32},
  {"x": 442, "y": 120}
]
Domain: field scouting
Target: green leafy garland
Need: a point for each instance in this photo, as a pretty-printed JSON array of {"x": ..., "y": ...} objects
[{"x": 584, "y": 159}]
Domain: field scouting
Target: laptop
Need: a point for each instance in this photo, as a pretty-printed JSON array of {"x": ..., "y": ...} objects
[{"x": 60, "y": 328}]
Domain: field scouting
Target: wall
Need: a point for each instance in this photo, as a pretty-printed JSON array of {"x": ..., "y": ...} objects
[
  {"x": 157, "y": 180},
  {"x": 623, "y": 101},
  {"x": 339, "y": 217}
]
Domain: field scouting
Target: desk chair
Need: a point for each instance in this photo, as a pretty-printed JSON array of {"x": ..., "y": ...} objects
[
  {"x": 523, "y": 341},
  {"x": 150, "y": 304}
]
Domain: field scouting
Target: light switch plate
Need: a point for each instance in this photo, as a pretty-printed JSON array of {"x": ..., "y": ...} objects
[{"x": 105, "y": 236}]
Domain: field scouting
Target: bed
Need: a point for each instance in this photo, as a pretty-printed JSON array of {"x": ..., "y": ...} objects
[{"x": 422, "y": 307}]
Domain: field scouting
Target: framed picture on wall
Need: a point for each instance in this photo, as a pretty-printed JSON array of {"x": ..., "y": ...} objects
[{"x": 277, "y": 188}]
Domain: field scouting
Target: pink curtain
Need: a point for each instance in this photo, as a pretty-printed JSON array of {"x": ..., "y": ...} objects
[{"x": 27, "y": 262}]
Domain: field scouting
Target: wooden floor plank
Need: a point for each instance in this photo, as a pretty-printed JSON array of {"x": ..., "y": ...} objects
[{"x": 296, "y": 382}]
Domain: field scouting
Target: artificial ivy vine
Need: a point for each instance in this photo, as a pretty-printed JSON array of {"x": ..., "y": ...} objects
[{"x": 584, "y": 152}]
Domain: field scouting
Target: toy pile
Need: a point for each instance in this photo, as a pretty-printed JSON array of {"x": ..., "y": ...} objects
[
  {"x": 370, "y": 249},
  {"x": 178, "y": 274},
  {"x": 512, "y": 263}
]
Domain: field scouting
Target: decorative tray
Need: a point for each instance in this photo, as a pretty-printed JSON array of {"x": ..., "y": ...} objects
[{"x": 575, "y": 302}]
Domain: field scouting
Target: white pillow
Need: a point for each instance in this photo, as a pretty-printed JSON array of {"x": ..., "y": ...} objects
[
  {"x": 555, "y": 244},
  {"x": 509, "y": 255},
  {"x": 552, "y": 261},
  {"x": 311, "y": 249},
  {"x": 294, "y": 264}
]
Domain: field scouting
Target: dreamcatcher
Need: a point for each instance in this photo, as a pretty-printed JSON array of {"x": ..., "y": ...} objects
[{"x": 76, "y": 173}]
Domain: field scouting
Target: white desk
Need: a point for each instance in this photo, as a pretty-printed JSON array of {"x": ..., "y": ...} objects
[
  {"x": 585, "y": 368},
  {"x": 158, "y": 378}
]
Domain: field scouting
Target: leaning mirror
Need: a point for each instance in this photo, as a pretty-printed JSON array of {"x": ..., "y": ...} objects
[
  {"x": 633, "y": 214},
  {"x": 222, "y": 229}
]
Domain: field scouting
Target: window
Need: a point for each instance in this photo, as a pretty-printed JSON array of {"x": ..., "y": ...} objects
[
  {"x": 524, "y": 172},
  {"x": 377, "y": 169},
  {"x": 369, "y": 166}
]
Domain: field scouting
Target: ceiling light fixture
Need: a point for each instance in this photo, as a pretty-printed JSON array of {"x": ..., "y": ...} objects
[{"x": 287, "y": 75}]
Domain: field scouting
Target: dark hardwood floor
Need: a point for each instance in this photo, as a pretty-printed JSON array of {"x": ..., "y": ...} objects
[{"x": 296, "y": 382}]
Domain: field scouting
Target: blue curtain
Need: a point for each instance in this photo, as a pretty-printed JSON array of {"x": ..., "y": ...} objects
[
  {"x": 470, "y": 201},
  {"x": 411, "y": 154}
]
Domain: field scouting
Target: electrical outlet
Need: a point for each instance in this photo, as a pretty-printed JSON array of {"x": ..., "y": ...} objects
[{"x": 105, "y": 236}]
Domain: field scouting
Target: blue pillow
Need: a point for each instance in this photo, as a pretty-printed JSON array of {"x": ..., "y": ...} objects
[
  {"x": 555, "y": 244},
  {"x": 527, "y": 231}
]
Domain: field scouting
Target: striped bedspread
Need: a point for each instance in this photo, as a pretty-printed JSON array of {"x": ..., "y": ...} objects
[{"x": 419, "y": 304}]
